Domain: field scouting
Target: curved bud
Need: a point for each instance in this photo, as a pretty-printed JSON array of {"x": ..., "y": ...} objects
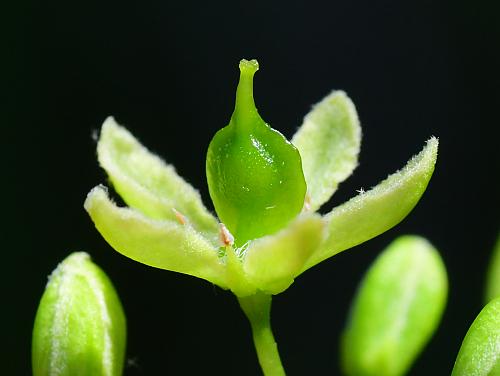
[
  {"x": 254, "y": 174},
  {"x": 397, "y": 309},
  {"x": 479, "y": 354},
  {"x": 80, "y": 325}
]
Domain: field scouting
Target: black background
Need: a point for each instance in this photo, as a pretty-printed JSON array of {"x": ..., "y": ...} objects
[{"x": 168, "y": 70}]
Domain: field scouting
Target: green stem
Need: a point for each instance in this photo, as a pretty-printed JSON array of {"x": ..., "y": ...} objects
[{"x": 258, "y": 310}]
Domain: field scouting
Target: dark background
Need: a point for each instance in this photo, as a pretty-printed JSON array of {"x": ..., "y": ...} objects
[{"x": 168, "y": 70}]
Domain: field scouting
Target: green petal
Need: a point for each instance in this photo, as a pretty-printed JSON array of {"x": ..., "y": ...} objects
[
  {"x": 371, "y": 213},
  {"x": 163, "y": 244},
  {"x": 328, "y": 141},
  {"x": 479, "y": 354},
  {"x": 273, "y": 262},
  {"x": 396, "y": 310},
  {"x": 493, "y": 276},
  {"x": 147, "y": 183},
  {"x": 80, "y": 326}
]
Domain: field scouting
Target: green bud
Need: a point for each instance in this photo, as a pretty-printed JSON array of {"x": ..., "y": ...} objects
[
  {"x": 397, "y": 308},
  {"x": 254, "y": 174},
  {"x": 479, "y": 354},
  {"x": 80, "y": 325}
]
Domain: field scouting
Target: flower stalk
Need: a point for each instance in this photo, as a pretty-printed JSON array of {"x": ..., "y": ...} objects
[{"x": 257, "y": 308}]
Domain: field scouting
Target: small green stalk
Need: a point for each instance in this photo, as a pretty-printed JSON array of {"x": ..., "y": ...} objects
[{"x": 258, "y": 310}]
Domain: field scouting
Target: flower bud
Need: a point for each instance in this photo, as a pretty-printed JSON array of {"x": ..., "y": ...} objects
[
  {"x": 80, "y": 325},
  {"x": 397, "y": 309},
  {"x": 479, "y": 354}
]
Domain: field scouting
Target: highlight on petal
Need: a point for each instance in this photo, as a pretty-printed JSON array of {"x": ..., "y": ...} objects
[
  {"x": 163, "y": 244},
  {"x": 273, "y": 262},
  {"x": 479, "y": 354},
  {"x": 371, "y": 213},
  {"x": 147, "y": 183},
  {"x": 328, "y": 141},
  {"x": 397, "y": 308}
]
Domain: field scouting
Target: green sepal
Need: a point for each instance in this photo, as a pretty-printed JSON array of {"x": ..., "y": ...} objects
[
  {"x": 493, "y": 275},
  {"x": 479, "y": 354},
  {"x": 328, "y": 141},
  {"x": 371, "y": 213},
  {"x": 147, "y": 183},
  {"x": 254, "y": 174},
  {"x": 80, "y": 326},
  {"x": 236, "y": 279},
  {"x": 397, "y": 308},
  {"x": 273, "y": 262},
  {"x": 164, "y": 244}
]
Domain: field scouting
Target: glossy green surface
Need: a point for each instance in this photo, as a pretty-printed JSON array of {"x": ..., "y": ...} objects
[
  {"x": 254, "y": 174},
  {"x": 397, "y": 308},
  {"x": 479, "y": 354},
  {"x": 80, "y": 326}
]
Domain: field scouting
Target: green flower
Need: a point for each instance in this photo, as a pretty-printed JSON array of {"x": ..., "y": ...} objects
[
  {"x": 167, "y": 226},
  {"x": 251, "y": 169}
]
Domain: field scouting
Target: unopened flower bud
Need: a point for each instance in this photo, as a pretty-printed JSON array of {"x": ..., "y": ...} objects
[{"x": 80, "y": 325}]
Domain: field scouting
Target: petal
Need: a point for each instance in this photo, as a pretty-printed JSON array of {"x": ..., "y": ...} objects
[
  {"x": 162, "y": 244},
  {"x": 147, "y": 183},
  {"x": 371, "y": 213},
  {"x": 328, "y": 141},
  {"x": 272, "y": 262}
]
